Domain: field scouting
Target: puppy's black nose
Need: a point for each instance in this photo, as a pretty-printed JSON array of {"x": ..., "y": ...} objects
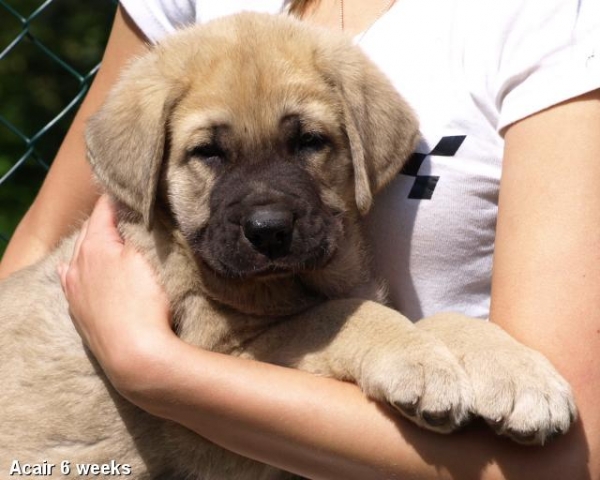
[{"x": 269, "y": 229}]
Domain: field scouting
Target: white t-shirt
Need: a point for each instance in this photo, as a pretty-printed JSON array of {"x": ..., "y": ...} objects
[{"x": 469, "y": 68}]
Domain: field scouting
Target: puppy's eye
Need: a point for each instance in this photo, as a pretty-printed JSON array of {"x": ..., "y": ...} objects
[
  {"x": 311, "y": 142},
  {"x": 209, "y": 153}
]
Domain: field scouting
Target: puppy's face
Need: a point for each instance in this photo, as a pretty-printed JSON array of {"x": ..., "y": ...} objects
[
  {"x": 259, "y": 174},
  {"x": 265, "y": 139}
]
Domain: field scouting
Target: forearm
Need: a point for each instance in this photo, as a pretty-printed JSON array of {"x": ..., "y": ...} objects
[
  {"x": 24, "y": 249},
  {"x": 65, "y": 199},
  {"x": 325, "y": 429}
]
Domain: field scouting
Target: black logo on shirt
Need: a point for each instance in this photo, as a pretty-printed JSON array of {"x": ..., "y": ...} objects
[{"x": 424, "y": 184}]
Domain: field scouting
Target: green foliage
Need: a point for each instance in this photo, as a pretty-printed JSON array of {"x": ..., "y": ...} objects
[{"x": 49, "y": 51}]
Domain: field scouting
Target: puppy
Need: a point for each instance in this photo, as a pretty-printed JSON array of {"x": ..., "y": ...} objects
[{"x": 242, "y": 155}]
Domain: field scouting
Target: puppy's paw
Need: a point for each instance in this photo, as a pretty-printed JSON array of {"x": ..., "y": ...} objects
[
  {"x": 515, "y": 389},
  {"x": 421, "y": 378},
  {"x": 520, "y": 394}
]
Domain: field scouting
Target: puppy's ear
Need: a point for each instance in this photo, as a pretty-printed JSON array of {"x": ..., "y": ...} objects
[
  {"x": 382, "y": 129},
  {"x": 126, "y": 137}
]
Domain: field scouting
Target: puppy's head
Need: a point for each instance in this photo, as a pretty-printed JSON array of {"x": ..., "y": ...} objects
[{"x": 264, "y": 138}]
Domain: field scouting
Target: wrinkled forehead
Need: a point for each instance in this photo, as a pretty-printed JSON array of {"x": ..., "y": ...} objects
[{"x": 255, "y": 93}]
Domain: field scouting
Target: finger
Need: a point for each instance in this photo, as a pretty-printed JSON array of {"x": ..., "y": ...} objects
[
  {"x": 103, "y": 221},
  {"x": 62, "y": 269},
  {"x": 79, "y": 240}
]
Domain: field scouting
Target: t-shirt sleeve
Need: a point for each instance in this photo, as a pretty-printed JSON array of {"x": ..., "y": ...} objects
[
  {"x": 157, "y": 18},
  {"x": 550, "y": 52}
]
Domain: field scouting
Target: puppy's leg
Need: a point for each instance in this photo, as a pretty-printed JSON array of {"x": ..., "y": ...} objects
[
  {"x": 516, "y": 389},
  {"x": 381, "y": 351}
]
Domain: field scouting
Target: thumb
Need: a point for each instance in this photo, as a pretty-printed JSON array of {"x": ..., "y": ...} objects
[
  {"x": 62, "y": 269},
  {"x": 103, "y": 221}
]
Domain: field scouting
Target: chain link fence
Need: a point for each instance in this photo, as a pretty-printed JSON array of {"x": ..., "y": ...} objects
[{"x": 49, "y": 53}]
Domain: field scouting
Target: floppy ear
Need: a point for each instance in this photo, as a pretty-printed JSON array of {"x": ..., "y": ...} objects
[
  {"x": 126, "y": 137},
  {"x": 382, "y": 129}
]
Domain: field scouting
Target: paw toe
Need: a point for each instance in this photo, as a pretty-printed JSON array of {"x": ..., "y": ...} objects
[
  {"x": 438, "y": 419},
  {"x": 407, "y": 408},
  {"x": 524, "y": 437}
]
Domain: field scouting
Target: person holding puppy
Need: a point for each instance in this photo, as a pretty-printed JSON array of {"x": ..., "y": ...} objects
[{"x": 509, "y": 103}]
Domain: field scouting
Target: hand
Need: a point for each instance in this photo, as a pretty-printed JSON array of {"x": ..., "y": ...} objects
[{"x": 116, "y": 303}]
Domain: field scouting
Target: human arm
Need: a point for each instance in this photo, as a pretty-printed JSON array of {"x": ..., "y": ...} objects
[
  {"x": 546, "y": 293},
  {"x": 546, "y": 283},
  {"x": 68, "y": 192}
]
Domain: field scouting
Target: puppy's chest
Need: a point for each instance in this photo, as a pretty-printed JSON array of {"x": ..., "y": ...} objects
[{"x": 210, "y": 326}]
